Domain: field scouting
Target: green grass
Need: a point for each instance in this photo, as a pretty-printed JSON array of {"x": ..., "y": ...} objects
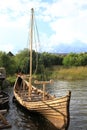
[
  {"x": 55, "y": 72},
  {"x": 11, "y": 79},
  {"x": 73, "y": 73}
]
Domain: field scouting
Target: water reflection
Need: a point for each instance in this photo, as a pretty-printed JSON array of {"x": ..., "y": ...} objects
[
  {"x": 21, "y": 119},
  {"x": 78, "y": 104}
]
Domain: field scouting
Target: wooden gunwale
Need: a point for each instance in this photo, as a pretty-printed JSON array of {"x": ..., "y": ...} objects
[
  {"x": 49, "y": 101},
  {"x": 43, "y": 104},
  {"x": 45, "y": 109}
]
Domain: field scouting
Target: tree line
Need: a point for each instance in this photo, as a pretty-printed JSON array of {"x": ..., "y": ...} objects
[{"x": 20, "y": 62}]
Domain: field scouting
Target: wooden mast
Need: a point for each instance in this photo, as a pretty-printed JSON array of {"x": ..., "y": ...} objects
[{"x": 31, "y": 41}]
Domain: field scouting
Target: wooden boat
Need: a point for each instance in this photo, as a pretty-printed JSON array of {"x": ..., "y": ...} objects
[
  {"x": 4, "y": 99},
  {"x": 54, "y": 109}
]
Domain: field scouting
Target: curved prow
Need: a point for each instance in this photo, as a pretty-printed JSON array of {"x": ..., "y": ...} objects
[{"x": 58, "y": 114}]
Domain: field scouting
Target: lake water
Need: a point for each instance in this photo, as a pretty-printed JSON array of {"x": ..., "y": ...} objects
[{"x": 23, "y": 120}]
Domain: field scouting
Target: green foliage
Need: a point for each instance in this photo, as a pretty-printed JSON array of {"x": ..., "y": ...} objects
[
  {"x": 74, "y": 59},
  {"x": 11, "y": 79},
  {"x": 48, "y": 59},
  {"x": 45, "y": 59},
  {"x": 41, "y": 61},
  {"x": 22, "y": 59},
  {"x": 7, "y": 62}
]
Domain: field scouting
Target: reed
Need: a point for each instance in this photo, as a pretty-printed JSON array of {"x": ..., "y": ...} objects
[
  {"x": 58, "y": 72},
  {"x": 72, "y": 73}
]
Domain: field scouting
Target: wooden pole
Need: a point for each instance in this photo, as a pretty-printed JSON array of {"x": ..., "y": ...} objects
[
  {"x": 44, "y": 85},
  {"x": 31, "y": 41},
  {"x": 43, "y": 92}
]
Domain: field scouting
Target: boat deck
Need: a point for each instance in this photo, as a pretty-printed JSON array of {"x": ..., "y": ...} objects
[{"x": 35, "y": 96}]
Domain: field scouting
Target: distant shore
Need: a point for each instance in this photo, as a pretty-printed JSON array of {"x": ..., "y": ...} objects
[
  {"x": 71, "y": 73},
  {"x": 61, "y": 73}
]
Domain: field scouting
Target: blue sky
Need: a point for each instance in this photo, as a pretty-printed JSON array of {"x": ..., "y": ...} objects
[{"x": 62, "y": 25}]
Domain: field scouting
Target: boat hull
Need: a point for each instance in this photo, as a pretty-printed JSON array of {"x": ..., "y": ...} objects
[{"x": 56, "y": 110}]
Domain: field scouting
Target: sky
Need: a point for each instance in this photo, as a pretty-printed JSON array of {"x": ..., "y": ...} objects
[{"x": 62, "y": 25}]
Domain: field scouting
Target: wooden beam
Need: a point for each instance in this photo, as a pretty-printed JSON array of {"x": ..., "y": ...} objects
[
  {"x": 44, "y": 85},
  {"x": 3, "y": 111},
  {"x": 43, "y": 82}
]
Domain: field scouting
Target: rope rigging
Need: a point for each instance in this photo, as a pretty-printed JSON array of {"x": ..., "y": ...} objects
[
  {"x": 35, "y": 46},
  {"x": 36, "y": 41}
]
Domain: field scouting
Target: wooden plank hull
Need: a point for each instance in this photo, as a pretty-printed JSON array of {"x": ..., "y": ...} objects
[{"x": 56, "y": 110}]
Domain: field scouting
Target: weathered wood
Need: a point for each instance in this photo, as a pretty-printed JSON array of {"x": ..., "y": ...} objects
[
  {"x": 3, "y": 111},
  {"x": 3, "y": 122},
  {"x": 1, "y": 96},
  {"x": 43, "y": 82},
  {"x": 56, "y": 110},
  {"x": 43, "y": 92},
  {"x": 3, "y": 119},
  {"x": 4, "y": 99},
  {"x": 5, "y": 126}
]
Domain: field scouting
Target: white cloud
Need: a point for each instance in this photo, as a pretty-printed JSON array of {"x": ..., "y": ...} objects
[
  {"x": 67, "y": 19},
  {"x": 70, "y": 29},
  {"x": 64, "y": 32},
  {"x": 7, "y": 47}
]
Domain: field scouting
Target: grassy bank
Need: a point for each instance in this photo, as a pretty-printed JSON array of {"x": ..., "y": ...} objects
[
  {"x": 11, "y": 79},
  {"x": 73, "y": 73}
]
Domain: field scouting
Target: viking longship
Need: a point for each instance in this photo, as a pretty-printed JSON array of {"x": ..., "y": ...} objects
[{"x": 55, "y": 110}]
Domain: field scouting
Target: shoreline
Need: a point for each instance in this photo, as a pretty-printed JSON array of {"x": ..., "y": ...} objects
[
  {"x": 71, "y": 73},
  {"x": 61, "y": 73}
]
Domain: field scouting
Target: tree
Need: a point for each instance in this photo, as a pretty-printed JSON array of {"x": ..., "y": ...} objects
[
  {"x": 74, "y": 59},
  {"x": 22, "y": 61},
  {"x": 70, "y": 60},
  {"x": 7, "y": 62}
]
